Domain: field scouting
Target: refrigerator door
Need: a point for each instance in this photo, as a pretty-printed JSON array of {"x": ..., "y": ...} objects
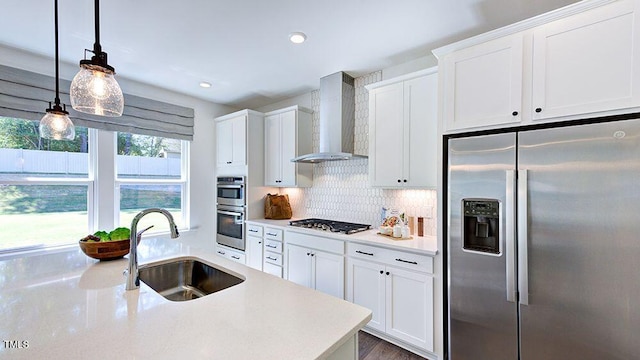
[
  {"x": 482, "y": 320},
  {"x": 582, "y": 245}
]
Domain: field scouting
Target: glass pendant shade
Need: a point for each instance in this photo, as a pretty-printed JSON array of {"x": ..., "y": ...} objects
[
  {"x": 56, "y": 125},
  {"x": 95, "y": 90}
]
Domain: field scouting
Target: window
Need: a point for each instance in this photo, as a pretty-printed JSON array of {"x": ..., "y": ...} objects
[
  {"x": 151, "y": 172},
  {"x": 46, "y": 189}
]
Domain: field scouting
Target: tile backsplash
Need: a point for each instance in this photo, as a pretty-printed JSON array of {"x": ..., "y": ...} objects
[{"x": 341, "y": 189}]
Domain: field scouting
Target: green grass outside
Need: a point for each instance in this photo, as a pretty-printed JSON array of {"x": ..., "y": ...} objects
[{"x": 32, "y": 229}]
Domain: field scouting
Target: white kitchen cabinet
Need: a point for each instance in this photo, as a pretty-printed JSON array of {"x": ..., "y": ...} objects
[
  {"x": 287, "y": 135},
  {"x": 403, "y": 131},
  {"x": 316, "y": 269},
  {"x": 272, "y": 255},
  {"x": 483, "y": 84},
  {"x": 587, "y": 63},
  {"x": 577, "y": 62},
  {"x": 231, "y": 141},
  {"x": 316, "y": 262},
  {"x": 231, "y": 254},
  {"x": 398, "y": 288},
  {"x": 254, "y": 252}
]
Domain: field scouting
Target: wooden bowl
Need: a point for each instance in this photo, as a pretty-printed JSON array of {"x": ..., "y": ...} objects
[{"x": 107, "y": 250}]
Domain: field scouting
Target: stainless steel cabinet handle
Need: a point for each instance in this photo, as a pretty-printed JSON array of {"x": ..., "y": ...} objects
[
  {"x": 523, "y": 234},
  {"x": 270, "y": 258},
  {"x": 235, "y": 257},
  {"x": 272, "y": 234},
  {"x": 221, "y": 252},
  {"x": 270, "y": 246},
  {"x": 408, "y": 262},
  {"x": 364, "y": 253},
  {"x": 253, "y": 230},
  {"x": 509, "y": 236}
]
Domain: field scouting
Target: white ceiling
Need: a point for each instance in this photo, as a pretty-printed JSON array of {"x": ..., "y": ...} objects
[{"x": 242, "y": 47}]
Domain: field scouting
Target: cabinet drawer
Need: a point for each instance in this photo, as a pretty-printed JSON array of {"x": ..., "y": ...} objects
[
  {"x": 272, "y": 269},
  {"x": 232, "y": 255},
  {"x": 273, "y": 246},
  {"x": 316, "y": 242},
  {"x": 407, "y": 260},
  {"x": 273, "y": 258},
  {"x": 271, "y": 233},
  {"x": 254, "y": 230}
]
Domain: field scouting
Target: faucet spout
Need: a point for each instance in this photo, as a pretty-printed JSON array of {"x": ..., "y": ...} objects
[{"x": 133, "y": 281}]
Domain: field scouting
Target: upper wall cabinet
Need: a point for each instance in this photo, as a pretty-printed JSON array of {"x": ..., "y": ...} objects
[
  {"x": 240, "y": 143},
  {"x": 579, "y": 61},
  {"x": 287, "y": 135},
  {"x": 484, "y": 84},
  {"x": 587, "y": 63},
  {"x": 403, "y": 131},
  {"x": 231, "y": 141}
]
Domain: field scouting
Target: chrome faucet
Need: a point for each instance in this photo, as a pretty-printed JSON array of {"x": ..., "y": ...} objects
[{"x": 133, "y": 282}]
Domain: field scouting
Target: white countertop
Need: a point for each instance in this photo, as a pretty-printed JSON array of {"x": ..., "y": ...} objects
[
  {"x": 69, "y": 306},
  {"x": 427, "y": 245}
]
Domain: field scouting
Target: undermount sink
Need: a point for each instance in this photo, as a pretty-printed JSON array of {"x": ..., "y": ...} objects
[{"x": 186, "y": 278}]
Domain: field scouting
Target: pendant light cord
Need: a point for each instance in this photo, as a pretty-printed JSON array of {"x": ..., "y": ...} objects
[
  {"x": 97, "y": 48},
  {"x": 57, "y": 100}
]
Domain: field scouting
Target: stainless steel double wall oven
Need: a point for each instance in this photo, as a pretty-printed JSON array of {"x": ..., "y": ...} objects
[{"x": 231, "y": 208}]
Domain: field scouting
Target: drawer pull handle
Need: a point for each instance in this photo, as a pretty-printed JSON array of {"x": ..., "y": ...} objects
[
  {"x": 270, "y": 246},
  {"x": 221, "y": 252},
  {"x": 364, "y": 253},
  {"x": 408, "y": 262},
  {"x": 235, "y": 257},
  {"x": 270, "y": 258},
  {"x": 253, "y": 230},
  {"x": 272, "y": 234}
]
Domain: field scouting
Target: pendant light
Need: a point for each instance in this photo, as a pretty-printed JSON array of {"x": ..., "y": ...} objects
[
  {"x": 56, "y": 124},
  {"x": 94, "y": 89}
]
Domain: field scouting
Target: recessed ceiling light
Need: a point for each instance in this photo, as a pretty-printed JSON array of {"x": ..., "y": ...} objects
[
  {"x": 297, "y": 37},
  {"x": 205, "y": 84}
]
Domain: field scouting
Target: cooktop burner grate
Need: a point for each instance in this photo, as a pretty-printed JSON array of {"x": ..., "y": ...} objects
[{"x": 330, "y": 225}]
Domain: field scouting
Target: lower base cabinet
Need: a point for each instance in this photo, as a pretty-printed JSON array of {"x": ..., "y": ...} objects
[
  {"x": 254, "y": 252},
  {"x": 316, "y": 269},
  {"x": 231, "y": 254},
  {"x": 401, "y": 300}
]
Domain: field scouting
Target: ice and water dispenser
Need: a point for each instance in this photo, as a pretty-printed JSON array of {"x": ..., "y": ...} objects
[{"x": 481, "y": 225}]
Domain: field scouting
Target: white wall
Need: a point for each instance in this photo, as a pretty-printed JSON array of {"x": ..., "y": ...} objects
[{"x": 202, "y": 167}]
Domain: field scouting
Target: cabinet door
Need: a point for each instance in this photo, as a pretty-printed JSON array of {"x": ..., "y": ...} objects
[
  {"x": 409, "y": 307},
  {"x": 254, "y": 252},
  {"x": 288, "y": 143},
  {"x": 587, "y": 63},
  {"x": 224, "y": 143},
  {"x": 366, "y": 287},
  {"x": 420, "y": 131},
  {"x": 483, "y": 84},
  {"x": 298, "y": 267},
  {"x": 386, "y": 133},
  {"x": 328, "y": 273},
  {"x": 272, "y": 151},
  {"x": 239, "y": 136}
]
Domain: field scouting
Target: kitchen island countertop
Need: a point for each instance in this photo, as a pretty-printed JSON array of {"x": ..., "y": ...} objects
[{"x": 64, "y": 305}]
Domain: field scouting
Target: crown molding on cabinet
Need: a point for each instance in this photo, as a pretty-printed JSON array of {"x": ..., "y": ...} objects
[{"x": 523, "y": 25}]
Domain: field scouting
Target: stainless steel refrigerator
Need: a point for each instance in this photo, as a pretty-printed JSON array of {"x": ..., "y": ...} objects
[{"x": 543, "y": 249}]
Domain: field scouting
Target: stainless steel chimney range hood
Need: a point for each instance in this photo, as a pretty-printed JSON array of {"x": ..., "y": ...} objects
[{"x": 337, "y": 120}]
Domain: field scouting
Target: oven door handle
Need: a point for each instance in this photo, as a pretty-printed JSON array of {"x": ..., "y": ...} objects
[
  {"x": 231, "y": 186},
  {"x": 232, "y": 213}
]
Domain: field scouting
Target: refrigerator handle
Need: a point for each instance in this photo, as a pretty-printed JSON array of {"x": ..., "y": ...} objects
[
  {"x": 510, "y": 232},
  {"x": 523, "y": 234}
]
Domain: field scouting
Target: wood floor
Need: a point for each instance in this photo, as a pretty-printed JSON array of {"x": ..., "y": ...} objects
[{"x": 373, "y": 348}]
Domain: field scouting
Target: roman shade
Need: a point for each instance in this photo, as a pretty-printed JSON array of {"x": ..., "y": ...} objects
[{"x": 26, "y": 95}]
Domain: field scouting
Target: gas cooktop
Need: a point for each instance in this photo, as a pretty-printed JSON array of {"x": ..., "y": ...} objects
[{"x": 330, "y": 225}]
